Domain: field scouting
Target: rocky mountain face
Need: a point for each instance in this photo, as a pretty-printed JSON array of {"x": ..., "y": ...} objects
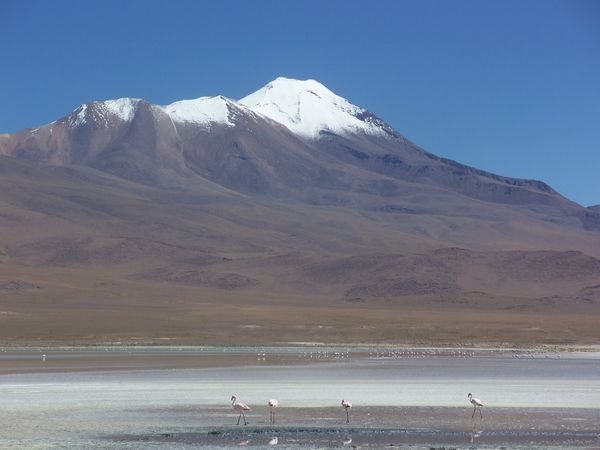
[
  {"x": 292, "y": 135},
  {"x": 291, "y": 197}
]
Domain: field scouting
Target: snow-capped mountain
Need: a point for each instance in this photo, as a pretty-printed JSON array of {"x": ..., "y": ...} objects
[
  {"x": 290, "y": 139},
  {"x": 306, "y": 107},
  {"x": 125, "y": 211},
  {"x": 309, "y": 109}
]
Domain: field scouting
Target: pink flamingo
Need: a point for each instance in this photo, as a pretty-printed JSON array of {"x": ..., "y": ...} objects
[
  {"x": 477, "y": 404},
  {"x": 241, "y": 408},
  {"x": 347, "y": 405},
  {"x": 272, "y": 405}
]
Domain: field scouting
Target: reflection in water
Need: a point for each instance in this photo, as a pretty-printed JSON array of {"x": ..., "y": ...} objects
[
  {"x": 241, "y": 441},
  {"x": 274, "y": 440},
  {"x": 475, "y": 433}
]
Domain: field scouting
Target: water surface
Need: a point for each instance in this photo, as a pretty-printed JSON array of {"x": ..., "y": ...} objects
[{"x": 413, "y": 398}]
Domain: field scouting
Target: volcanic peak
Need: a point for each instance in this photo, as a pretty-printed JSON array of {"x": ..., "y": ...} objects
[{"x": 310, "y": 109}]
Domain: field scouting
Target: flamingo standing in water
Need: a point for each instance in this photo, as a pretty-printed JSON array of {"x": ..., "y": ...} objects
[
  {"x": 272, "y": 405},
  {"x": 477, "y": 404},
  {"x": 347, "y": 405},
  {"x": 241, "y": 408}
]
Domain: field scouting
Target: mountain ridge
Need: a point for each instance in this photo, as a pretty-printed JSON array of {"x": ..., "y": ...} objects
[
  {"x": 139, "y": 224},
  {"x": 391, "y": 153}
]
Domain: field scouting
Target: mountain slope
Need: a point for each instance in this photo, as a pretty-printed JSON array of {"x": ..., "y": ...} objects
[
  {"x": 291, "y": 139},
  {"x": 291, "y": 213},
  {"x": 86, "y": 257}
]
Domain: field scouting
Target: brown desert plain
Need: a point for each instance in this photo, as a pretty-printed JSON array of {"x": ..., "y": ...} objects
[{"x": 148, "y": 231}]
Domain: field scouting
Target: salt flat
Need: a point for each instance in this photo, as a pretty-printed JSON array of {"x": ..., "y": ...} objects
[{"x": 138, "y": 398}]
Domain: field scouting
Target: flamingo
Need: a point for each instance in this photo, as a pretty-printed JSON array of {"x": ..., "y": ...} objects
[
  {"x": 477, "y": 404},
  {"x": 272, "y": 405},
  {"x": 346, "y": 405},
  {"x": 241, "y": 408}
]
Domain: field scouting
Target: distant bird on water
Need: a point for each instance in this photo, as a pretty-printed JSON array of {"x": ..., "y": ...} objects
[
  {"x": 272, "y": 405},
  {"x": 347, "y": 405},
  {"x": 241, "y": 408},
  {"x": 477, "y": 404}
]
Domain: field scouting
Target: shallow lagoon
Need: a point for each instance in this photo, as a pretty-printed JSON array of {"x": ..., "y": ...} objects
[{"x": 119, "y": 397}]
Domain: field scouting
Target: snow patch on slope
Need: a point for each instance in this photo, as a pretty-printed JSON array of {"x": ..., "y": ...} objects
[
  {"x": 203, "y": 110},
  {"x": 103, "y": 111},
  {"x": 123, "y": 108},
  {"x": 308, "y": 108},
  {"x": 77, "y": 117}
]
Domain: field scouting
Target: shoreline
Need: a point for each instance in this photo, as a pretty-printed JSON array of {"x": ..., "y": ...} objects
[
  {"x": 135, "y": 398},
  {"x": 495, "y": 347},
  {"x": 117, "y": 358}
]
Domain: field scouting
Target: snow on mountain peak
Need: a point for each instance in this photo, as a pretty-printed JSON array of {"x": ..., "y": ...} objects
[
  {"x": 101, "y": 111},
  {"x": 203, "y": 110},
  {"x": 308, "y": 108},
  {"x": 124, "y": 108}
]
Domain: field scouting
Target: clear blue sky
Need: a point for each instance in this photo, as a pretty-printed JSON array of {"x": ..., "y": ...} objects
[{"x": 512, "y": 87}]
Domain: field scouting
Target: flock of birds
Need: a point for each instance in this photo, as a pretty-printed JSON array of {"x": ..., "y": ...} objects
[
  {"x": 242, "y": 408},
  {"x": 400, "y": 354}
]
